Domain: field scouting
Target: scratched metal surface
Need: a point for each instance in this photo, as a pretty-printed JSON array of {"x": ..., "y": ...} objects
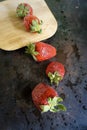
[{"x": 19, "y": 74}]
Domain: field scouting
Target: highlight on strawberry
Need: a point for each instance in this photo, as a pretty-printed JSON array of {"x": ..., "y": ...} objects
[
  {"x": 41, "y": 51},
  {"x": 46, "y": 99},
  {"x": 55, "y": 71},
  {"x": 33, "y": 24},
  {"x": 24, "y": 9}
]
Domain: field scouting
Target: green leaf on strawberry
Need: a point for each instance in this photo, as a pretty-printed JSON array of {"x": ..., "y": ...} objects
[
  {"x": 45, "y": 108},
  {"x": 54, "y": 77},
  {"x": 31, "y": 50},
  {"x": 53, "y": 105},
  {"x": 35, "y": 26}
]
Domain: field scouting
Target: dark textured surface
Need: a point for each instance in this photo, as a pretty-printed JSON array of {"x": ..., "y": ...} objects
[{"x": 20, "y": 73}]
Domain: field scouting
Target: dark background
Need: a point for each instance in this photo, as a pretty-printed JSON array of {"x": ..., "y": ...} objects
[{"x": 19, "y": 74}]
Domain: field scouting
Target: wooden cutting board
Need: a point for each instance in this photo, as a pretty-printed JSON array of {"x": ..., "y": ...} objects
[{"x": 12, "y": 31}]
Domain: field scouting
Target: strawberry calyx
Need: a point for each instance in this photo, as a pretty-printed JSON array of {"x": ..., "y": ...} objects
[
  {"x": 31, "y": 50},
  {"x": 53, "y": 105},
  {"x": 55, "y": 77},
  {"x": 36, "y": 26},
  {"x": 22, "y": 10}
]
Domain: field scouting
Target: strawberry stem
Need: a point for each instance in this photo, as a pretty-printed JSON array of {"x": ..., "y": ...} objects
[
  {"x": 35, "y": 26},
  {"x": 55, "y": 77},
  {"x": 31, "y": 50},
  {"x": 22, "y": 10},
  {"x": 53, "y": 105}
]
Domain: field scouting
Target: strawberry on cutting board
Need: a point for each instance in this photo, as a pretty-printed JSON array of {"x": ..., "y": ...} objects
[
  {"x": 55, "y": 71},
  {"x": 46, "y": 98},
  {"x": 32, "y": 24},
  {"x": 41, "y": 51},
  {"x": 24, "y": 9}
]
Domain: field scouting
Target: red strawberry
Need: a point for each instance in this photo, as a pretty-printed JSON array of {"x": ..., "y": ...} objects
[
  {"x": 55, "y": 71},
  {"x": 46, "y": 98},
  {"x": 23, "y": 10},
  {"x": 41, "y": 51},
  {"x": 32, "y": 24}
]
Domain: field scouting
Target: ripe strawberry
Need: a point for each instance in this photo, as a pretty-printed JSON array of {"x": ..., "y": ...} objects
[
  {"x": 41, "y": 51},
  {"x": 32, "y": 24},
  {"x": 23, "y": 10},
  {"x": 55, "y": 71},
  {"x": 46, "y": 98}
]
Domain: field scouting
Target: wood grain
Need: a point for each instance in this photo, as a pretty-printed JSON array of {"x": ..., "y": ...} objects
[{"x": 12, "y": 31}]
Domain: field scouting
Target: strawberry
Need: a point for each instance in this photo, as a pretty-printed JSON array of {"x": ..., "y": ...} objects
[
  {"x": 55, "y": 71},
  {"x": 23, "y": 10},
  {"x": 46, "y": 98},
  {"x": 32, "y": 24},
  {"x": 41, "y": 51}
]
